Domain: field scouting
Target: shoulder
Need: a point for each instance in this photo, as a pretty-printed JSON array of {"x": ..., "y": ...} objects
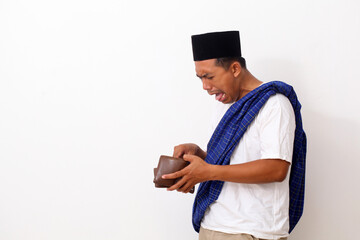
[
  {"x": 278, "y": 107},
  {"x": 277, "y": 101}
]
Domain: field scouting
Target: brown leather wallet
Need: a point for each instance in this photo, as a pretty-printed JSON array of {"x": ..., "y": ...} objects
[{"x": 168, "y": 165}]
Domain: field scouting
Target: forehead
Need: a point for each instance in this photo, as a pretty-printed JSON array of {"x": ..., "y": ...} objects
[{"x": 205, "y": 66}]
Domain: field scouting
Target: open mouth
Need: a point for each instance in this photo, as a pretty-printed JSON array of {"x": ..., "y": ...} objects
[{"x": 220, "y": 96}]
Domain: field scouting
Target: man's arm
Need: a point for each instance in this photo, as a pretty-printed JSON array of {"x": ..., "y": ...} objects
[{"x": 259, "y": 171}]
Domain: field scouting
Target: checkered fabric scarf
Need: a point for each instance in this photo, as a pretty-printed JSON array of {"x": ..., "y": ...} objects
[{"x": 227, "y": 136}]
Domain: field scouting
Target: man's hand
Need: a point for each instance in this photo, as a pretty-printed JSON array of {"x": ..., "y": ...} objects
[
  {"x": 197, "y": 171},
  {"x": 188, "y": 148}
]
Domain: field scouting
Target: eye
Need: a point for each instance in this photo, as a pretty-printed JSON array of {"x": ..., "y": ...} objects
[{"x": 210, "y": 77}]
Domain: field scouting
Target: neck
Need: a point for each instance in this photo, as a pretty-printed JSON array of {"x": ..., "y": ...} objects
[{"x": 247, "y": 82}]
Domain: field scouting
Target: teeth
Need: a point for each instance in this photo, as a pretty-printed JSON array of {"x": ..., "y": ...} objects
[
  {"x": 223, "y": 97},
  {"x": 220, "y": 96},
  {"x": 217, "y": 96}
]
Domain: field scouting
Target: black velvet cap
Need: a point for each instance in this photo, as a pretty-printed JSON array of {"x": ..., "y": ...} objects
[{"x": 216, "y": 45}]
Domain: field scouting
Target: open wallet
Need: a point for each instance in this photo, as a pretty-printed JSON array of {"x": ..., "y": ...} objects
[{"x": 168, "y": 165}]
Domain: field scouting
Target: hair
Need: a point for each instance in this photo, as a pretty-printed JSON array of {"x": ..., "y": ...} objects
[{"x": 227, "y": 61}]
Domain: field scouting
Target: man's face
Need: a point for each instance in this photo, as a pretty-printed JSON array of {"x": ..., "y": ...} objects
[{"x": 218, "y": 81}]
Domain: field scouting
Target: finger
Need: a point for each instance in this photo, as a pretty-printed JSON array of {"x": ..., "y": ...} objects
[
  {"x": 174, "y": 175},
  {"x": 177, "y": 185},
  {"x": 190, "y": 189},
  {"x": 189, "y": 157},
  {"x": 178, "y": 152},
  {"x": 186, "y": 187}
]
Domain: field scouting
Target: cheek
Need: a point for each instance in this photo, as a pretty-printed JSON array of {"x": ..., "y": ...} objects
[
  {"x": 228, "y": 87},
  {"x": 230, "y": 92},
  {"x": 224, "y": 82}
]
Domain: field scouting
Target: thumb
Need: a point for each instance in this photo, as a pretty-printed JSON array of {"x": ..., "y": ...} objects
[{"x": 189, "y": 157}]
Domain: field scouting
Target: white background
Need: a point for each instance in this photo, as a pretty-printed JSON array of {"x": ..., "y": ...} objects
[{"x": 93, "y": 92}]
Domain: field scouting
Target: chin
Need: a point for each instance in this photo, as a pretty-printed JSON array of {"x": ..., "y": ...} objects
[{"x": 228, "y": 101}]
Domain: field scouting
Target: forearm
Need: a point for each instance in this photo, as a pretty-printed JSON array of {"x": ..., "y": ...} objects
[{"x": 260, "y": 171}]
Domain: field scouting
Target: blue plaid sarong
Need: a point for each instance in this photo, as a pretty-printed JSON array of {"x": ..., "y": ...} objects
[{"x": 227, "y": 136}]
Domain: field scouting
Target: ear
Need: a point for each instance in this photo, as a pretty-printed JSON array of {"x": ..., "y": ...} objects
[{"x": 235, "y": 68}]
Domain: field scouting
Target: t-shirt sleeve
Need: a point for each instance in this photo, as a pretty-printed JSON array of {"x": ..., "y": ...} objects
[{"x": 276, "y": 121}]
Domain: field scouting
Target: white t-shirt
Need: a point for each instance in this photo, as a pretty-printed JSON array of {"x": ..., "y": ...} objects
[{"x": 261, "y": 210}]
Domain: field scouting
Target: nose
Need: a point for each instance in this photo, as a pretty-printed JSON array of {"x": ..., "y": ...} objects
[{"x": 206, "y": 85}]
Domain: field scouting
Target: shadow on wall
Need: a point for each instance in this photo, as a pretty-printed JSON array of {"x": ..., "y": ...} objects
[{"x": 332, "y": 196}]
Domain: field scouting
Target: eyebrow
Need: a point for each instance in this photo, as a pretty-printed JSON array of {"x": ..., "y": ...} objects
[{"x": 206, "y": 75}]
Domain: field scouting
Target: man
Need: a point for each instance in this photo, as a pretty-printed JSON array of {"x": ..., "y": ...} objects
[{"x": 244, "y": 174}]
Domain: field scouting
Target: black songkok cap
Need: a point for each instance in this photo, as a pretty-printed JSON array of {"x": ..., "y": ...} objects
[{"x": 216, "y": 45}]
